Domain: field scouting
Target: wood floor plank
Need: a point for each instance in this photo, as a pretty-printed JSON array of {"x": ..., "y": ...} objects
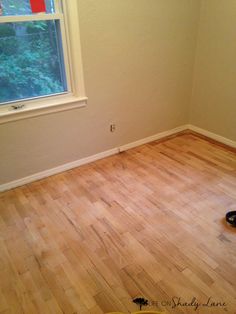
[{"x": 148, "y": 222}]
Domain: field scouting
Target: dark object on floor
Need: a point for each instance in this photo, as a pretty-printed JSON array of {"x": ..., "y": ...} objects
[{"x": 231, "y": 218}]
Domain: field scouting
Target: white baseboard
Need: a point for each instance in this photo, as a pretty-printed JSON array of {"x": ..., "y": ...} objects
[
  {"x": 153, "y": 138},
  {"x": 83, "y": 161},
  {"x": 86, "y": 160},
  {"x": 56, "y": 170},
  {"x": 212, "y": 135}
]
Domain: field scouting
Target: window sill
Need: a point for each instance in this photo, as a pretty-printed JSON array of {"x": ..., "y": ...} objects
[{"x": 42, "y": 107}]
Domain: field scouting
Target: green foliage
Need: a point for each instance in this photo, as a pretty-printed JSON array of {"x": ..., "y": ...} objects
[
  {"x": 24, "y": 76},
  {"x": 13, "y": 7},
  {"x": 8, "y": 42},
  {"x": 6, "y": 30},
  {"x": 29, "y": 64},
  {"x": 33, "y": 28}
]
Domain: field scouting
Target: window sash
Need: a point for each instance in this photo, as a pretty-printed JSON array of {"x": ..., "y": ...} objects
[
  {"x": 64, "y": 42},
  {"x": 36, "y": 17},
  {"x": 76, "y": 98}
]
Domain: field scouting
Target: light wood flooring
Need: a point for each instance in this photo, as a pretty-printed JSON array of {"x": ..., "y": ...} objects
[{"x": 148, "y": 222}]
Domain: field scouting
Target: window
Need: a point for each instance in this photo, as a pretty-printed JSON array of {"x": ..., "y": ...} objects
[{"x": 40, "y": 59}]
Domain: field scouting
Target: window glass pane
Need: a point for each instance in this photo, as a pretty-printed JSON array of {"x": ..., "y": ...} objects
[
  {"x": 21, "y": 7},
  {"x": 32, "y": 62}
]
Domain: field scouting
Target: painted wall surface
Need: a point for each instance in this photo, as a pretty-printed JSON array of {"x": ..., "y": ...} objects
[
  {"x": 214, "y": 91},
  {"x": 138, "y": 60}
]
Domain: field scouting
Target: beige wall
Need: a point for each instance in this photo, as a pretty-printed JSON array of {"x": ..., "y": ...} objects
[
  {"x": 138, "y": 60},
  {"x": 214, "y": 91}
]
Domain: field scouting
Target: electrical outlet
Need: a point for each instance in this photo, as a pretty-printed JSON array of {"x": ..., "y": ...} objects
[{"x": 112, "y": 127}]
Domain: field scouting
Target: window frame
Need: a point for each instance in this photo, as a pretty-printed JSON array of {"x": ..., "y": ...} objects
[{"x": 67, "y": 14}]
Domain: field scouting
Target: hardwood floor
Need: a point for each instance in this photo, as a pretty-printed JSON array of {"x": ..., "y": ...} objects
[{"x": 148, "y": 222}]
